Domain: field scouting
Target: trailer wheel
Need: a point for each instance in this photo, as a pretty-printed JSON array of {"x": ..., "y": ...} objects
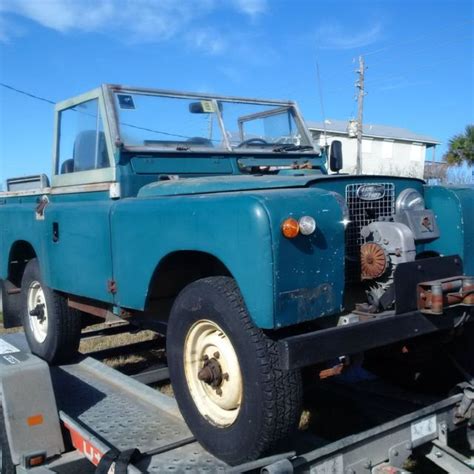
[
  {"x": 225, "y": 374},
  {"x": 6, "y": 463},
  {"x": 53, "y": 330}
]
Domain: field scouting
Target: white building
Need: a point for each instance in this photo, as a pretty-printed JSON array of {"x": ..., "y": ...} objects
[{"x": 385, "y": 150}]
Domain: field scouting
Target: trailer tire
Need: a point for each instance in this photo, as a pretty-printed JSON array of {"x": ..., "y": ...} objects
[
  {"x": 225, "y": 374},
  {"x": 6, "y": 463},
  {"x": 54, "y": 332}
]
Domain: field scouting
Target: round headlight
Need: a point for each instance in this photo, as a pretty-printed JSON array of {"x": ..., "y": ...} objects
[
  {"x": 307, "y": 225},
  {"x": 410, "y": 200}
]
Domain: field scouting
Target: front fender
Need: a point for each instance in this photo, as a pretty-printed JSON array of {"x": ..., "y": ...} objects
[
  {"x": 283, "y": 282},
  {"x": 233, "y": 227}
]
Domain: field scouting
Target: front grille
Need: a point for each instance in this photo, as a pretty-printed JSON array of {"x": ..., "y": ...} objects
[{"x": 362, "y": 213}]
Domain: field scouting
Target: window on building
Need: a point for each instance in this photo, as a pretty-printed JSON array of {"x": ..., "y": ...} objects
[
  {"x": 417, "y": 151},
  {"x": 387, "y": 149},
  {"x": 367, "y": 145}
]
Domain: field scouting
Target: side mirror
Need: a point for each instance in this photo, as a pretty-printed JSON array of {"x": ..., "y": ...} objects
[{"x": 335, "y": 156}]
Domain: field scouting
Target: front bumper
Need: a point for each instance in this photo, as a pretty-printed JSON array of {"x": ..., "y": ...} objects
[
  {"x": 417, "y": 312},
  {"x": 314, "y": 347}
]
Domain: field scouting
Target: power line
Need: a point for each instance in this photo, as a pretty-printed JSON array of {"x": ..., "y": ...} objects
[
  {"x": 381, "y": 80},
  {"x": 418, "y": 51},
  {"x": 28, "y": 94},
  {"x": 417, "y": 39},
  {"x": 48, "y": 101}
]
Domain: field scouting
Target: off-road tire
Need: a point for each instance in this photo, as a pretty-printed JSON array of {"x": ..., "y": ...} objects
[
  {"x": 64, "y": 323},
  {"x": 271, "y": 403},
  {"x": 6, "y": 463}
]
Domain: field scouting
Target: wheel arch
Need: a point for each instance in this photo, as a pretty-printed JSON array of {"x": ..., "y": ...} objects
[
  {"x": 177, "y": 270},
  {"x": 21, "y": 252}
]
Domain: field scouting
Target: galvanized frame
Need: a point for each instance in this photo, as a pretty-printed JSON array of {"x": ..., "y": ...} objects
[
  {"x": 110, "y": 89},
  {"x": 103, "y": 175}
]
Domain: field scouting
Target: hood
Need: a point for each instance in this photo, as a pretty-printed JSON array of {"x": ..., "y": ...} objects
[{"x": 217, "y": 184}]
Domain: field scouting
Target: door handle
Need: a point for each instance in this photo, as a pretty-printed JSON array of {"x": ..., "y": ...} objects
[{"x": 55, "y": 232}]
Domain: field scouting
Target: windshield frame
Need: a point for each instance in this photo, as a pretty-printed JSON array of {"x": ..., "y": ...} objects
[{"x": 110, "y": 91}]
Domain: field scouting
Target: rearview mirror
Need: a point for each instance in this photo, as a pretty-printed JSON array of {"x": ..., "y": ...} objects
[
  {"x": 335, "y": 156},
  {"x": 204, "y": 107}
]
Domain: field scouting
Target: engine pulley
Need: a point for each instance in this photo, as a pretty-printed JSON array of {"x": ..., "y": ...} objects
[{"x": 373, "y": 261}]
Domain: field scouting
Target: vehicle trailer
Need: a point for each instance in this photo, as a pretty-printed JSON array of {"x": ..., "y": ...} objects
[
  {"x": 86, "y": 417},
  {"x": 214, "y": 220}
]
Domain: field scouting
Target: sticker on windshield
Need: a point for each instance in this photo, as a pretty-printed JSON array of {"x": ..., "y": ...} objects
[
  {"x": 208, "y": 106},
  {"x": 125, "y": 101},
  {"x": 7, "y": 348}
]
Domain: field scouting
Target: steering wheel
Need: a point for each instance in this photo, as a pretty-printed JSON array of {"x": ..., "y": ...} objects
[{"x": 253, "y": 141}]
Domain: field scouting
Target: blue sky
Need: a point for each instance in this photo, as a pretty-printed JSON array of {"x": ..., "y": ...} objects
[{"x": 419, "y": 53}]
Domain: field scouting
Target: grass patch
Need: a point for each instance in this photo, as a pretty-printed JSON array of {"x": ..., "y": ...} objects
[
  {"x": 7, "y": 331},
  {"x": 129, "y": 364}
]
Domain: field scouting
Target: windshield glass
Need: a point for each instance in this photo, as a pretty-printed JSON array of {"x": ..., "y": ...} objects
[{"x": 182, "y": 123}]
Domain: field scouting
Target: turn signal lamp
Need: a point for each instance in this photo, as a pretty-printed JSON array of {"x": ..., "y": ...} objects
[{"x": 290, "y": 228}]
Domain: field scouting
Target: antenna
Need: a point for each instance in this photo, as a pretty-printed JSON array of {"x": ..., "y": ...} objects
[{"x": 322, "y": 103}]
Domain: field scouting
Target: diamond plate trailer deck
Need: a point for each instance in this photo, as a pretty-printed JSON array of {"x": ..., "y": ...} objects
[{"x": 72, "y": 415}]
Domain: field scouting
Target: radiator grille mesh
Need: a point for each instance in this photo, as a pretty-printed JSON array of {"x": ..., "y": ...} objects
[{"x": 362, "y": 213}]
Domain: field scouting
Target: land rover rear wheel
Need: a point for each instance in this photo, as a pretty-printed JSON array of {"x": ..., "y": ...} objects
[
  {"x": 225, "y": 374},
  {"x": 53, "y": 330}
]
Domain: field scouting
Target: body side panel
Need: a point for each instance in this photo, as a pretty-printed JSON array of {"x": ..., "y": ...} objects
[
  {"x": 454, "y": 210},
  {"x": 18, "y": 223},
  {"x": 80, "y": 261},
  {"x": 233, "y": 228}
]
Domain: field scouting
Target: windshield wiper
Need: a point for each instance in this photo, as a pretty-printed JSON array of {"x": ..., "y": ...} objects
[{"x": 290, "y": 147}]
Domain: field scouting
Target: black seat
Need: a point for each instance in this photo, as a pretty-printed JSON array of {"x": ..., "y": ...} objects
[
  {"x": 84, "y": 151},
  {"x": 67, "y": 166},
  {"x": 200, "y": 141}
]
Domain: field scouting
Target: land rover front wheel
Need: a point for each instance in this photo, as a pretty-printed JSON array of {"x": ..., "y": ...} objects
[
  {"x": 53, "y": 330},
  {"x": 225, "y": 374}
]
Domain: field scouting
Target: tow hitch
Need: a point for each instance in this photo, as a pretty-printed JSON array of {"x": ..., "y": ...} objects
[{"x": 433, "y": 297}]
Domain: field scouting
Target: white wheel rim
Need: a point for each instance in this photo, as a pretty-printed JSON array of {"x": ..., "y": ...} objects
[
  {"x": 36, "y": 298},
  {"x": 220, "y": 405}
]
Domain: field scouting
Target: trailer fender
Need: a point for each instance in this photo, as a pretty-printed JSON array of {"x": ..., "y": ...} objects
[{"x": 29, "y": 406}]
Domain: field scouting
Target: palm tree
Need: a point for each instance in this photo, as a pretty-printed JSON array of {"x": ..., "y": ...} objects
[{"x": 461, "y": 148}]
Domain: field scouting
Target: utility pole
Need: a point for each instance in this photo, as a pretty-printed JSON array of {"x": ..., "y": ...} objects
[{"x": 360, "y": 112}]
